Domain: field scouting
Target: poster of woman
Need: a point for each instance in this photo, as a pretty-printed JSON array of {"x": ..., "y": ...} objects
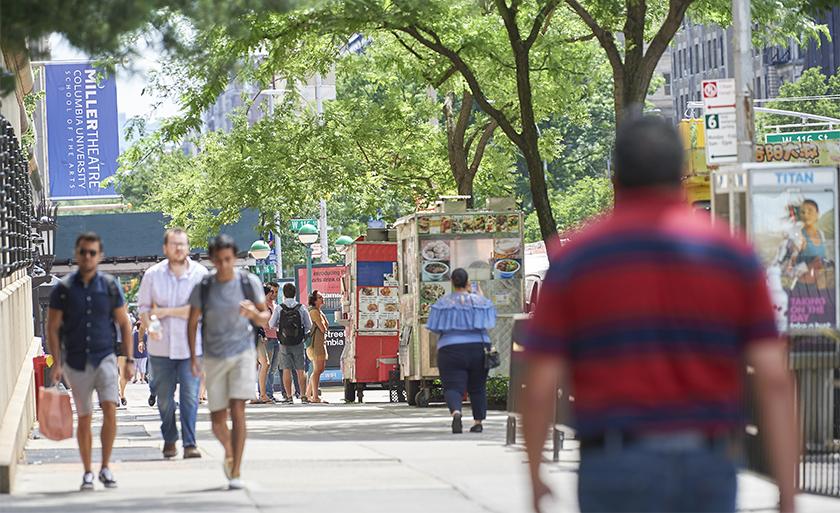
[{"x": 794, "y": 233}]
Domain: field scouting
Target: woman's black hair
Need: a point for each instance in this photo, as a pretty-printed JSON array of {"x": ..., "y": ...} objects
[
  {"x": 313, "y": 298},
  {"x": 812, "y": 203},
  {"x": 460, "y": 278}
]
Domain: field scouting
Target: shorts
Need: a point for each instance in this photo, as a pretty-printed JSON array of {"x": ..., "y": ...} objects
[
  {"x": 103, "y": 378},
  {"x": 291, "y": 357},
  {"x": 229, "y": 378},
  {"x": 262, "y": 349}
]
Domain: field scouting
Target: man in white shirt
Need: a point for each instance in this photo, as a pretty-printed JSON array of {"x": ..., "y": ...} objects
[{"x": 165, "y": 293}]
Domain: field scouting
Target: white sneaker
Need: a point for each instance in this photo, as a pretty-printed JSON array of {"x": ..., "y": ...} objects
[
  {"x": 236, "y": 484},
  {"x": 227, "y": 466}
]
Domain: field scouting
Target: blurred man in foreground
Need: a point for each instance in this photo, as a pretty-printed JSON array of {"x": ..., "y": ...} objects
[{"x": 649, "y": 315}]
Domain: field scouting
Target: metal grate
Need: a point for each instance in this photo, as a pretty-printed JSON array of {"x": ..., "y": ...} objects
[
  {"x": 15, "y": 204},
  {"x": 815, "y": 361}
]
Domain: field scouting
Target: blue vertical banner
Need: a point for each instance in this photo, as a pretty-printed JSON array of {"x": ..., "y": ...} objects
[{"x": 82, "y": 130}]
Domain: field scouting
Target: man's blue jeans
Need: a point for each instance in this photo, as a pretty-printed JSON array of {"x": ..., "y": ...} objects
[
  {"x": 642, "y": 478},
  {"x": 272, "y": 347},
  {"x": 167, "y": 373}
]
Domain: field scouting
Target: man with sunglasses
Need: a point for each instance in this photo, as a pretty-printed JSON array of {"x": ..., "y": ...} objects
[
  {"x": 84, "y": 307},
  {"x": 165, "y": 293}
]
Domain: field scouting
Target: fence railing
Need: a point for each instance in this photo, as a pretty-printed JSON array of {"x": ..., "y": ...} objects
[
  {"x": 815, "y": 361},
  {"x": 15, "y": 204}
]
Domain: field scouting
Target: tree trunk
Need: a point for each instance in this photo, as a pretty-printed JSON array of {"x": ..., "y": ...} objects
[
  {"x": 456, "y": 129},
  {"x": 630, "y": 90},
  {"x": 539, "y": 190}
]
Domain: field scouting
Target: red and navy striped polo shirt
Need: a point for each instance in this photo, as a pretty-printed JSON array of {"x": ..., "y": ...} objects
[{"x": 652, "y": 307}]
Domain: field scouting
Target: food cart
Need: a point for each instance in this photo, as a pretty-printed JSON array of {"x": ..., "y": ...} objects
[
  {"x": 488, "y": 244},
  {"x": 370, "y": 313}
]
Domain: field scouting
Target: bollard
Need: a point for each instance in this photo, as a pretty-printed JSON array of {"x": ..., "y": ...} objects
[
  {"x": 558, "y": 439},
  {"x": 510, "y": 435}
]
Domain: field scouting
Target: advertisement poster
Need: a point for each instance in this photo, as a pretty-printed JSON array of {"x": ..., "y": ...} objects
[
  {"x": 794, "y": 233},
  {"x": 326, "y": 279},
  {"x": 82, "y": 130}
]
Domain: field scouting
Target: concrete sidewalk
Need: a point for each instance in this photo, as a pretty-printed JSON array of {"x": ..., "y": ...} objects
[{"x": 317, "y": 458}]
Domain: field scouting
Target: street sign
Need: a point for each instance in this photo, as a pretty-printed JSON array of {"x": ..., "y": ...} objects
[
  {"x": 821, "y": 135},
  {"x": 721, "y": 137},
  {"x": 719, "y": 119},
  {"x": 295, "y": 224},
  {"x": 719, "y": 93},
  {"x": 316, "y": 250}
]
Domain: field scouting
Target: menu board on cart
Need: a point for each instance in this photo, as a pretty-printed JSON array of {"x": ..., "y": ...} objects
[
  {"x": 379, "y": 309},
  {"x": 487, "y": 245}
]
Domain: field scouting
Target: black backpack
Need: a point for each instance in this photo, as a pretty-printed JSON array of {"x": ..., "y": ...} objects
[
  {"x": 290, "y": 326},
  {"x": 247, "y": 291}
]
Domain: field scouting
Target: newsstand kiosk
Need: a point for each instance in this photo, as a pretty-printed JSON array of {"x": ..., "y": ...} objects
[
  {"x": 488, "y": 245},
  {"x": 371, "y": 316},
  {"x": 789, "y": 212}
]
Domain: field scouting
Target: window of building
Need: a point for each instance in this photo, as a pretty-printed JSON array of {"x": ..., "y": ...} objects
[
  {"x": 722, "y": 52},
  {"x": 714, "y": 53},
  {"x": 709, "y": 54},
  {"x": 667, "y": 84},
  {"x": 758, "y": 87},
  {"x": 682, "y": 62},
  {"x": 696, "y": 58}
]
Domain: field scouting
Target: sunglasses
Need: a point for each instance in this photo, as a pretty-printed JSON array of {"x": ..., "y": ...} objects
[{"x": 88, "y": 252}]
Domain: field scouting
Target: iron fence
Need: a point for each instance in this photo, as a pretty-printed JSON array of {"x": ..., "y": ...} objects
[
  {"x": 16, "y": 250},
  {"x": 815, "y": 361}
]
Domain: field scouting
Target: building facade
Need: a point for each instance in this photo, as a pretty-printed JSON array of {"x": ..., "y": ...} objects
[{"x": 702, "y": 52}]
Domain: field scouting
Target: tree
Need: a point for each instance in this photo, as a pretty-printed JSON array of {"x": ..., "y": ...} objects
[
  {"x": 634, "y": 34},
  {"x": 584, "y": 200},
  {"x": 812, "y": 84}
]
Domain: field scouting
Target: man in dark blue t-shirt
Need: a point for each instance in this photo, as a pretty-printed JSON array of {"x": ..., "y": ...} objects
[{"x": 84, "y": 307}]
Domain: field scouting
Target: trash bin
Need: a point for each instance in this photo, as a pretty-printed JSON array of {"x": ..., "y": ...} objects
[{"x": 39, "y": 365}]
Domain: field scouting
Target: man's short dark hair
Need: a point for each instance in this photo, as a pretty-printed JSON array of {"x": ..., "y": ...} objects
[
  {"x": 648, "y": 153},
  {"x": 274, "y": 284},
  {"x": 173, "y": 231},
  {"x": 221, "y": 242},
  {"x": 289, "y": 290},
  {"x": 89, "y": 237}
]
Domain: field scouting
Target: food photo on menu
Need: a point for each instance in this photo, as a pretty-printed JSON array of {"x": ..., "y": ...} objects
[{"x": 507, "y": 248}]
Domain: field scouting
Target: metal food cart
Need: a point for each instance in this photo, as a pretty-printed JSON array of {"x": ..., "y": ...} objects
[
  {"x": 488, "y": 244},
  {"x": 370, "y": 313}
]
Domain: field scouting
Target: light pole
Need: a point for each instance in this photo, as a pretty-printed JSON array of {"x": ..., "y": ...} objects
[
  {"x": 342, "y": 244},
  {"x": 260, "y": 251},
  {"x": 308, "y": 235}
]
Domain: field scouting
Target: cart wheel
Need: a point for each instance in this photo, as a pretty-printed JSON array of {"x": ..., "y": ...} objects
[
  {"x": 423, "y": 398},
  {"x": 411, "y": 389},
  {"x": 394, "y": 395},
  {"x": 349, "y": 391}
]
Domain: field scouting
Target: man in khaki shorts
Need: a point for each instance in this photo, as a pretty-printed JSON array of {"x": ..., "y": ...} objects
[
  {"x": 230, "y": 303},
  {"x": 84, "y": 307}
]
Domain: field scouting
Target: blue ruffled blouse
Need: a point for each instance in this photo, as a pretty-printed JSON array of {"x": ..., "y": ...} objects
[{"x": 462, "y": 318}]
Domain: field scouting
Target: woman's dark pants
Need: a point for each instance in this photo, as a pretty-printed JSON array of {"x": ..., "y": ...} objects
[{"x": 462, "y": 370}]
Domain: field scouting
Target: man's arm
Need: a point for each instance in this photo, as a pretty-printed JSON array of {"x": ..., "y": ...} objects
[
  {"x": 275, "y": 317},
  {"x": 54, "y": 320},
  {"x": 192, "y": 329},
  {"x": 544, "y": 374},
  {"x": 121, "y": 316},
  {"x": 182, "y": 312},
  {"x": 774, "y": 388},
  {"x": 144, "y": 300}
]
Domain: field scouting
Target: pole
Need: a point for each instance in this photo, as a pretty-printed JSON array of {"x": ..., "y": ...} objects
[
  {"x": 743, "y": 56},
  {"x": 322, "y": 229},
  {"x": 308, "y": 272}
]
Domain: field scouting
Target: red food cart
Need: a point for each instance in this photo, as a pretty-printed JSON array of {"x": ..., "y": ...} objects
[{"x": 371, "y": 315}]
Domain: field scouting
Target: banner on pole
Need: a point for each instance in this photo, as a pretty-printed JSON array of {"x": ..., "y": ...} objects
[{"x": 82, "y": 130}]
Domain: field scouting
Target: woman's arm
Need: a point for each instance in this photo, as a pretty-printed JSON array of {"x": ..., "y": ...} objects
[{"x": 318, "y": 320}]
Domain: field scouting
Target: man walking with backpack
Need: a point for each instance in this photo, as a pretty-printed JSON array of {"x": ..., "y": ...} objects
[
  {"x": 230, "y": 305},
  {"x": 293, "y": 323},
  {"x": 84, "y": 306}
]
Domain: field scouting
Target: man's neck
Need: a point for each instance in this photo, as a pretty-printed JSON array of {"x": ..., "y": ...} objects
[
  {"x": 225, "y": 277},
  {"x": 178, "y": 268},
  {"x": 87, "y": 275}
]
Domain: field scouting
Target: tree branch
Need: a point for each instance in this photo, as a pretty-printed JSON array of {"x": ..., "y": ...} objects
[
  {"x": 604, "y": 37},
  {"x": 407, "y": 46},
  {"x": 659, "y": 43},
  {"x": 541, "y": 22},
  {"x": 482, "y": 145},
  {"x": 463, "y": 68}
]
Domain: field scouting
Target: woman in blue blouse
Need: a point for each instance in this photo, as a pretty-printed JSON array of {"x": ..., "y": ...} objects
[{"x": 462, "y": 320}]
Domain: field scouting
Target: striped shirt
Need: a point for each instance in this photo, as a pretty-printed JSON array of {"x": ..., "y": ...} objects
[{"x": 653, "y": 308}]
